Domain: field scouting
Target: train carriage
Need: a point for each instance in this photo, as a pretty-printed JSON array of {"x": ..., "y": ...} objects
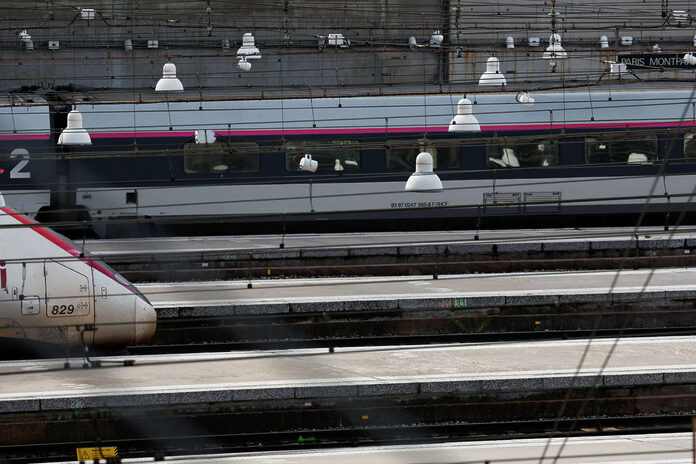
[{"x": 200, "y": 163}]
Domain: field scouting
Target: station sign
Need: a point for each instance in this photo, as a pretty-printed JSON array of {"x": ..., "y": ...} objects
[{"x": 654, "y": 61}]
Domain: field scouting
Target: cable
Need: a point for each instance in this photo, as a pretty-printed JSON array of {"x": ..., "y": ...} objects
[{"x": 612, "y": 286}]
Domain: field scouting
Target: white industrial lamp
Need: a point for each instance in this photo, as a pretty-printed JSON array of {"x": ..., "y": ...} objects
[
  {"x": 525, "y": 99},
  {"x": 169, "y": 81},
  {"x": 248, "y": 48},
  {"x": 308, "y": 164},
  {"x": 243, "y": 64},
  {"x": 492, "y": 76},
  {"x": 436, "y": 38},
  {"x": 424, "y": 179},
  {"x": 74, "y": 133},
  {"x": 25, "y": 37},
  {"x": 464, "y": 121},
  {"x": 554, "y": 50}
]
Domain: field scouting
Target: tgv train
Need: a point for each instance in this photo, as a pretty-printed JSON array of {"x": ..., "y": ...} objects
[
  {"x": 52, "y": 292},
  {"x": 573, "y": 154}
]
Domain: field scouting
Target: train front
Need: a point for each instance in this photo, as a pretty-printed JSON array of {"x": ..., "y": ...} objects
[
  {"x": 122, "y": 314},
  {"x": 53, "y": 292}
]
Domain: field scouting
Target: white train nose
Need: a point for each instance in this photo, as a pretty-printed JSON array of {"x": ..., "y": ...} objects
[{"x": 145, "y": 321}]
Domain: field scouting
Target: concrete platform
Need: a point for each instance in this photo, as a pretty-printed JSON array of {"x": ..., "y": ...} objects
[
  {"x": 318, "y": 245},
  {"x": 628, "y": 449},
  {"x": 417, "y": 292},
  {"x": 30, "y": 386},
  {"x": 225, "y": 258}
]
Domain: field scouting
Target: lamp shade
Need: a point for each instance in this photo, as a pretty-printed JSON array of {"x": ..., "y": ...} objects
[
  {"x": 464, "y": 121},
  {"x": 74, "y": 133},
  {"x": 248, "y": 48},
  {"x": 169, "y": 81},
  {"x": 424, "y": 179},
  {"x": 554, "y": 50},
  {"x": 243, "y": 64},
  {"x": 492, "y": 76}
]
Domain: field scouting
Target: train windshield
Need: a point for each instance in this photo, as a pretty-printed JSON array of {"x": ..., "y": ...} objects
[{"x": 123, "y": 281}]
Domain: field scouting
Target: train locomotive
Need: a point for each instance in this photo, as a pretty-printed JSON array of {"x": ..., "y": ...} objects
[{"x": 53, "y": 293}]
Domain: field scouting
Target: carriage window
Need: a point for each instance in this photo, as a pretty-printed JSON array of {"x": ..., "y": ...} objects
[
  {"x": 401, "y": 154},
  {"x": 220, "y": 158},
  {"x": 332, "y": 155},
  {"x": 690, "y": 146},
  {"x": 635, "y": 149},
  {"x": 533, "y": 154}
]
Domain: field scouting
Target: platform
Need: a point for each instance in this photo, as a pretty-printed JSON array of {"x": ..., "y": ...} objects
[
  {"x": 417, "y": 292},
  {"x": 387, "y": 241},
  {"x": 306, "y": 374},
  {"x": 627, "y": 449},
  {"x": 357, "y": 254}
]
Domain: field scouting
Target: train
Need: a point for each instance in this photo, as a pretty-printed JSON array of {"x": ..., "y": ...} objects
[
  {"x": 53, "y": 293},
  {"x": 190, "y": 165}
]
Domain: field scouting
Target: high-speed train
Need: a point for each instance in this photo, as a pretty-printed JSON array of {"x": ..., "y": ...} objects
[
  {"x": 54, "y": 293},
  {"x": 585, "y": 153}
]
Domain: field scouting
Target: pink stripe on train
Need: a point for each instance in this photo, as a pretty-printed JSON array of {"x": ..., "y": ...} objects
[
  {"x": 25, "y": 137},
  {"x": 126, "y": 135},
  {"x": 62, "y": 243},
  {"x": 366, "y": 130}
]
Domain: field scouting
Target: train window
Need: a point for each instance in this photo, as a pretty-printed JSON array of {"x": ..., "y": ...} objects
[
  {"x": 220, "y": 157},
  {"x": 634, "y": 149},
  {"x": 332, "y": 155},
  {"x": 401, "y": 154},
  {"x": 690, "y": 146},
  {"x": 532, "y": 154}
]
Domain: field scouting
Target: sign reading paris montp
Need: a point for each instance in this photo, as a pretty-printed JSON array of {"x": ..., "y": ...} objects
[{"x": 654, "y": 61}]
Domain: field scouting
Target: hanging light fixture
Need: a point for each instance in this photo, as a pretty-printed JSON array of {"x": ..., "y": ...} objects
[
  {"x": 604, "y": 42},
  {"x": 248, "y": 51},
  {"x": 554, "y": 50},
  {"x": 436, "y": 38},
  {"x": 169, "y": 82},
  {"x": 243, "y": 64},
  {"x": 74, "y": 133},
  {"x": 464, "y": 121},
  {"x": 25, "y": 38},
  {"x": 492, "y": 76},
  {"x": 424, "y": 179},
  {"x": 525, "y": 99},
  {"x": 248, "y": 48}
]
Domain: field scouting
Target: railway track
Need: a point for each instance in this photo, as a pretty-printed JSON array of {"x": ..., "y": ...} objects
[
  {"x": 159, "y": 447},
  {"x": 396, "y": 340},
  {"x": 424, "y": 326},
  {"x": 422, "y": 259}
]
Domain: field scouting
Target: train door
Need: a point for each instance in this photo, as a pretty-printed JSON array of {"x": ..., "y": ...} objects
[
  {"x": 21, "y": 292},
  {"x": 114, "y": 310},
  {"x": 68, "y": 297},
  {"x": 31, "y": 287}
]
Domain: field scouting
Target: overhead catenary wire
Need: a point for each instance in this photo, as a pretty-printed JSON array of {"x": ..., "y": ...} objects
[
  {"x": 487, "y": 16},
  {"x": 612, "y": 287}
]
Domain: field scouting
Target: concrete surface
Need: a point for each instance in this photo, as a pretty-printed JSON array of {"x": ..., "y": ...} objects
[
  {"x": 420, "y": 292},
  {"x": 295, "y": 374},
  {"x": 625, "y": 449}
]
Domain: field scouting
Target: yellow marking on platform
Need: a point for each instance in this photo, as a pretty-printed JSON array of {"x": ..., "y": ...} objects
[{"x": 90, "y": 454}]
